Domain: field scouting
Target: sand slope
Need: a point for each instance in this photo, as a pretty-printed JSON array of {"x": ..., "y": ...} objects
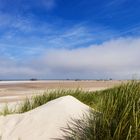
[{"x": 44, "y": 122}]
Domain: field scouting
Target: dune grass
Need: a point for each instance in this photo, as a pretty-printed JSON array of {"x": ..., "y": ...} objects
[
  {"x": 117, "y": 115},
  {"x": 88, "y": 98}
]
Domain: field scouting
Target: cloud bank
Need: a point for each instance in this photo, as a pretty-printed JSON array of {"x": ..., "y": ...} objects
[{"x": 117, "y": 59}]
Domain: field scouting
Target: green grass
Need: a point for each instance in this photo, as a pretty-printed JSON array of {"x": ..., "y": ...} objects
[
  {"x": 88, "y": 98},
  {"x": 5, "y": 111},
  {"x": 117, "y": 115}
]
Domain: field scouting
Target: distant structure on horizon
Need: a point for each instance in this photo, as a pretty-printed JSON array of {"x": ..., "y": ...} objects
[{"x": 33, "y": 79}]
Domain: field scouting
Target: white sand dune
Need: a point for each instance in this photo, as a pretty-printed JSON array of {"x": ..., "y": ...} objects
[{"x": 44, "y": 122}]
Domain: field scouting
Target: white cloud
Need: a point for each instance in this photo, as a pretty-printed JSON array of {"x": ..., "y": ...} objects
[{"x": 115, "y": 58}]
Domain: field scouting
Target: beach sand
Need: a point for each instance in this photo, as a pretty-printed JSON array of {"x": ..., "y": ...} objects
[{"x": 13, "y": 91}]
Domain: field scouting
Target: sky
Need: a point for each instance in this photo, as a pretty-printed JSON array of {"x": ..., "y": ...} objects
[{"x": 76, "y": 39}]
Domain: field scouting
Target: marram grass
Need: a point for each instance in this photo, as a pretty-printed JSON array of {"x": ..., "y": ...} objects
[{"x": 117, "y": 115}]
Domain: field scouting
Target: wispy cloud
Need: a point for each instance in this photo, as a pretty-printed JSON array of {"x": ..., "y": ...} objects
[
  {"x": 49, "y": 4},
  {"x": 30, "y": 37},
  {"x": 115, "y": 3},
  {"x": 111, "y": 59}
]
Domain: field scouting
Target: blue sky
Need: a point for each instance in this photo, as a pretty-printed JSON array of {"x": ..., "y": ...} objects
[{"x": 59, "y": 39}]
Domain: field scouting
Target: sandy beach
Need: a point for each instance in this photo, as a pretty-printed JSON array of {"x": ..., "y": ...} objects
[{"x": 11, "y": 91}]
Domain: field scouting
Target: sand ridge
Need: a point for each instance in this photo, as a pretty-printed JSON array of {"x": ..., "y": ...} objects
[{"x": 44, "y": 122}]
